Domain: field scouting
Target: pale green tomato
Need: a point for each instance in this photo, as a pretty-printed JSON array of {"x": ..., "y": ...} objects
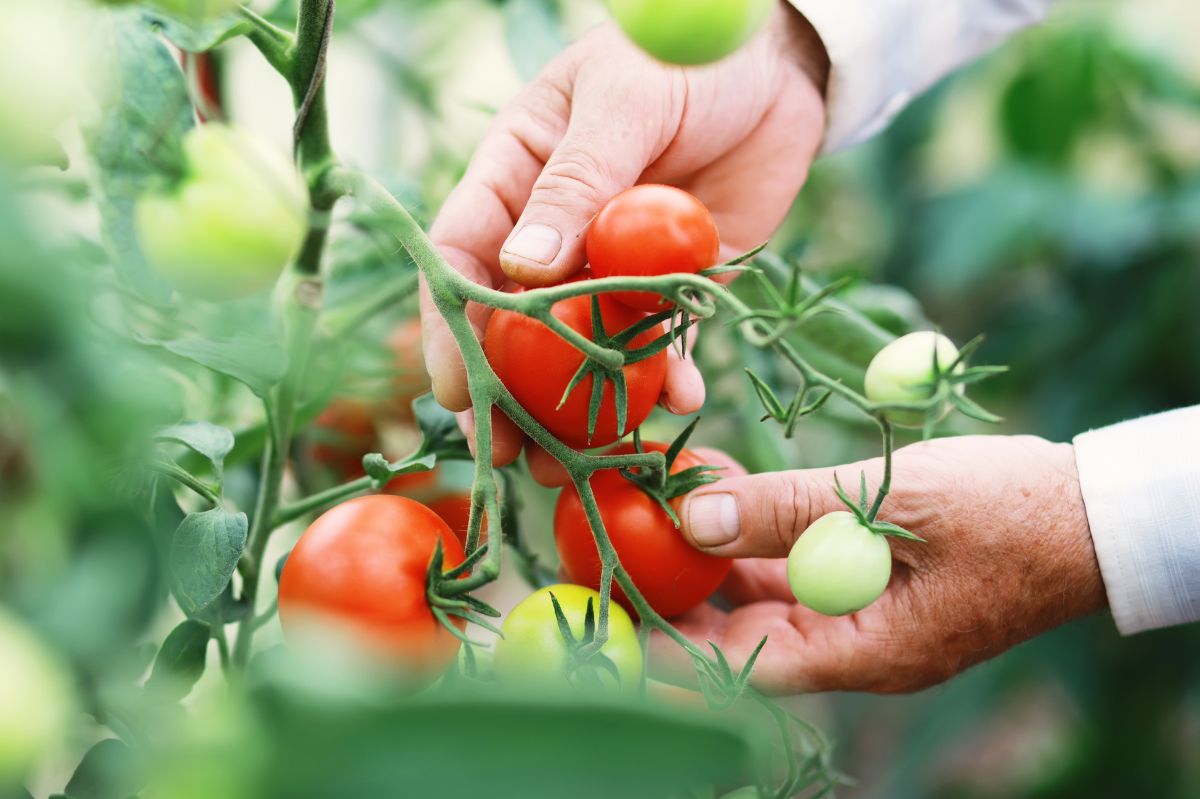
[
  {"x": 838, "y": 566},
  {"x": 233, "y": 223},
  {"x": 42, "y": 59},
  {"x": 902, "y": 372},
  {"x": 690, "y": 31},
  {"x": 533, "y": 647},
  {"x": 35, "y": 699}
]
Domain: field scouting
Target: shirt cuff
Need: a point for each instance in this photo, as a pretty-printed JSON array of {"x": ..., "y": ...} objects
[
  {"x": 883, "y": 53},
  {"x": 1141, "y": 488}
]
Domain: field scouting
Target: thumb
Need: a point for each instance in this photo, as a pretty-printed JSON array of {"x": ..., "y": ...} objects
[
  {"x": 762, "y": 515},
  {"x": 602, "y": 154}
]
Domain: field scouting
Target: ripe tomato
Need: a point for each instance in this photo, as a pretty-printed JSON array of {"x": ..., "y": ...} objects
[
  {"x": 838, "y": 566},
  {"x": 533, "y": 647},
  {"x": 690, "y": 31},
  {"x": 234, "y": 222},
  {"x": 672, "y": 575},
  {"x": 537, "y": 366},
  {"x": 36, "y": 699},
  {"x": 411, "y": 379},
  {"x": 649, "y": 231},
  {"x": 903, "y": 372},
  {"x": 455, "y": 511},
  {"x": 342, "y": 435},
  {"x": 362, "y": 567}
]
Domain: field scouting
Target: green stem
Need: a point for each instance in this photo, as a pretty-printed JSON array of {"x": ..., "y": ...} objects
[
  {"x": 186, "y": 478},
  {"x": 886, "y": 486},
  {"x": 273, "y": 42}
]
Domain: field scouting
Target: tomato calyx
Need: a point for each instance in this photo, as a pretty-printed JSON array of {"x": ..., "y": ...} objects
[
  {"x": 445, "y": 603},
  {"x": 602, "y": 373},
  {"x": 948, "y": 383},
  {"x": 863, "y": 513},
  {"x": 662, "y": 486},
  {"x": 584, "y": 660}
]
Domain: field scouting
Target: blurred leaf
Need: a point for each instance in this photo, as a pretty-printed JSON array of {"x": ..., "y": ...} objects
[
  {"x": 196, "y": 36},
  {"x": 109, "y": 770},
  {"x": 225, "y": 609},
  {"x": 204, "y": 438},
  {"x": 440, "y": 429},
  {"x": 259, "y": 365},
  {"x": 139, "y": 136},
  {"x": 180, "y": 662},
  {"x": 535, "y": 34},
  {"x": 203, "y": 556}
]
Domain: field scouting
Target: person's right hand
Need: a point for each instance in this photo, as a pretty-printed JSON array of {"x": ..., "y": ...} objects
[
  {"x": 740, "y": 135},
  {"x": 1008, "y": 555}
]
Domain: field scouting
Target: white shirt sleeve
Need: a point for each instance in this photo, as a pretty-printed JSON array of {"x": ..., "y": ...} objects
[
  {"x": 883, "y": 53},
  {"x": 1141, "y": 488}
]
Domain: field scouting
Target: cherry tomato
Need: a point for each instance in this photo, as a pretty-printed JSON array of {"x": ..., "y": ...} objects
[
  {"x": 455, "y": 511},
  {"x": 36, "y": 699},
  {"x": 537, "y": 366},
  {"x": 649, "y": 231},
  {"x": 411, "y": 380},
  {"x": 229, "y": 228},
  {"x": 838, "y": 566},
  {"x": 672, "y": 575},
  {"x": 533, "y": 647},
  {"x": 361, "y": 567},
  {"x": 903, "y": 372},
  {"x": 342, "y": 435},
  {"x": 690, "y": 31}
]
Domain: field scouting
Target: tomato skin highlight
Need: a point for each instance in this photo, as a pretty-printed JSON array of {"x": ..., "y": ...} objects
[
  {"x": 672, "y": 575},
  {"x": 649, "y": 231},
  {"x": 901, "y": 372},
  {"x": 362, "y": 566},
  {"x": 690, "y": 32},
  {"x": 838, "y": 566},
  {"x": 537, "y": 366},
  {"x": 533, "y": 648}
]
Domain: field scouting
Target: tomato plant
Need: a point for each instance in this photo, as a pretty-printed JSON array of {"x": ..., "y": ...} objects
[
  {"x": 672, "y": 575},
  {"x": 904, "y": 372},
  {"x": 538, "y": 366},
  {"x": 648, "y": 231},
  {"x": 690, "y": 31},
  {"x": 839, "y": 565},
  {"x": 534, "y": 646},
  {"x": 363, "y": 566},
  {"x": 229, "y": 227}
]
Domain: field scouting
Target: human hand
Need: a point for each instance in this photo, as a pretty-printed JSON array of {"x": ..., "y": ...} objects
[
  {"x": 1008, "y": 556},
  {"x": 740, "y": 135}
]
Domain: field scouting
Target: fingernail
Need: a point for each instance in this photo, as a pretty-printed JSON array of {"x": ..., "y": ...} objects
[
  {"x": 537, "y": 243},
  {"x": 712, "y": 519}
]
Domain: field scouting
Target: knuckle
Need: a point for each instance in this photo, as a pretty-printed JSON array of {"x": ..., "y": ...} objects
[{"x": 573, "y": 177}]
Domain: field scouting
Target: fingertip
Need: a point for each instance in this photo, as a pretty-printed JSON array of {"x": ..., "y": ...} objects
[
  {"x": 684, "y": 391},
  {"x": 538, "y": 254},
  {"x": 544, "y": 468}
]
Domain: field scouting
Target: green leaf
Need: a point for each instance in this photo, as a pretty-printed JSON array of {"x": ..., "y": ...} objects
[
  {"x": 382, "y": 472},
  {"x": 564, "y": 628},
  {"x": 767, "y": 396},
  {"x": 440, "y": 429},
  {"x": 895, "y": 531},
  {"x": 203, "y": 555},
  {"x": 109, "y": 770},
  {"x": 206, "y": 439},
  {"x": 969, "y": 407},
  {"x": 139, "y": 136},
  {"x": 180, "y": 662},
  {"x": 196, "y": 36},
  {"x": 257, "y": 364}
]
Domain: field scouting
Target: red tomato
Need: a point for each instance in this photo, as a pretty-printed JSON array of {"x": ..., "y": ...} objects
[
  {"x": 342, "y": 435},
  {"x": 362, "y": 566},
  {"x": 537, "y": 366},
  {"x": 672, "y": 575},
  {"x": 649, "y": 231},
  {"x": 411, "y": 380},
  {"x": 455, "y": 510}
]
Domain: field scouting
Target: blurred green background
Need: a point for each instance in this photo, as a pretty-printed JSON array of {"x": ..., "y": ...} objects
[{"x": 1048, "y": 196}]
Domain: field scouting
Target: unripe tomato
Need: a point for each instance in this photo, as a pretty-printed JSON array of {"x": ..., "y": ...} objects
[
  {"x": 533, "y": 647},
  {"x": 690, "y": 31},
  {"x": 361, "y": 568},
  {"x": 672, "y": 575},
  {"x": 650, "y": 231},
  {"x": 35, "y": 699},
  {"x": 537, "y": 366},
  {"x": 903, "y": 372},
  {"x": 838, "y": 566},
  {"x": 41, "y": 61},
  {"x": 234, "y": 222}
]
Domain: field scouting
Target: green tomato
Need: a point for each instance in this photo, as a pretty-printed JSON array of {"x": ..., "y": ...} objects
[
  {"x": 42, "y": 58},
  {"x": 902, "y": 372},
  {"x": 533, "y": 647},
  {"x": 690, "y": 31},
  {"x": 35, "y": 699},
  {"x": 839, "y": 566},
  {"x": 233, "y": 223}
]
